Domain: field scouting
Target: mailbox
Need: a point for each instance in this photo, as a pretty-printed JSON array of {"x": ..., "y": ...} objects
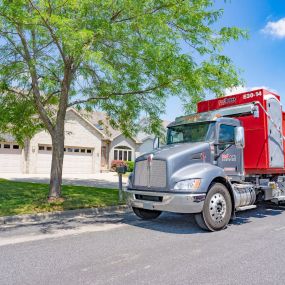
[{"x": 122, "y": 169}]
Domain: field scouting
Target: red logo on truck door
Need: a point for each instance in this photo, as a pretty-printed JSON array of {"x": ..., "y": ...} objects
[{"x": 229, "y": 157}]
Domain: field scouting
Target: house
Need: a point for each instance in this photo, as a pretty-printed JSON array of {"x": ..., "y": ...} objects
[{"x": 90, "y": 146}]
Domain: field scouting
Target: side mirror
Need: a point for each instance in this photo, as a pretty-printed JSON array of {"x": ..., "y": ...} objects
[
  {"x": 156, "y": 143},
  {"x": 239, "y": 137}
]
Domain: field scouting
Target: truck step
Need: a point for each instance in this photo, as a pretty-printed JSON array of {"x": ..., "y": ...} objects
[
  {"x": 244, "y": 208},
  {"x": 278, "y": 199}
]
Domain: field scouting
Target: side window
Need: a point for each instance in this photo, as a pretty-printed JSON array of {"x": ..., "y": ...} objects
[
  {"x": 227, "y": 134},
  {"x": 176, "y": 137}
]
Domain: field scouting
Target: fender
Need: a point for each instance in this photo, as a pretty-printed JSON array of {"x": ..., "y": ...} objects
[{"x": 206, "y": 171}]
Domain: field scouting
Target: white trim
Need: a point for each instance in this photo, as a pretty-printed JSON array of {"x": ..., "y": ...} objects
[{"x": 121, "y": 134}]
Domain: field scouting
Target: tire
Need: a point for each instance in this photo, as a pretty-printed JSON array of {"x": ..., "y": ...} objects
[
  {"x": 217, "y": 209},
  {"x": 146, "y": 214}
]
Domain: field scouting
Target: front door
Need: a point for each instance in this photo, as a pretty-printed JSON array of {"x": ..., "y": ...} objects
[
  {"x": 104, "y": 160},
  {"x": 230, "y": 157}
]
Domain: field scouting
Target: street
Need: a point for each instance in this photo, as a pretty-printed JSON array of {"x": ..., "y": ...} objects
[{"x": 121, "y": 249}]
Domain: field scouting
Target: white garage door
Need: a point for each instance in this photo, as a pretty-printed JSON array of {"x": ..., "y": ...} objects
[
  {"x": 76, "y": 160},
  {"x": 10, "y": 158}
]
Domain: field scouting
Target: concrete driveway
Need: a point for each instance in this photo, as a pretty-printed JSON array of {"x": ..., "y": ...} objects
[{"x": 101, "y": 180}]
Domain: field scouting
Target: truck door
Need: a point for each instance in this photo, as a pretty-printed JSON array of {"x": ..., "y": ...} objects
[{"x": 229, "y": 156}]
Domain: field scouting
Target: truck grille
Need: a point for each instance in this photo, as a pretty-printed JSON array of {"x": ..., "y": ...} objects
[{"x": 153, "y": 176}]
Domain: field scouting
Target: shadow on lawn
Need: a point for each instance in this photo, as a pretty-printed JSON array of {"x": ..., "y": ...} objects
[{"x": 98, "y": 183}]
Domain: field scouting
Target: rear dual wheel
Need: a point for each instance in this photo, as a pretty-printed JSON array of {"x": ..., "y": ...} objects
[{"x": 217, "y": 209}]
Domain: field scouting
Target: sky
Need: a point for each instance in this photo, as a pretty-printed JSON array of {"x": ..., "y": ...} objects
[{"x": 262, "y": 57}]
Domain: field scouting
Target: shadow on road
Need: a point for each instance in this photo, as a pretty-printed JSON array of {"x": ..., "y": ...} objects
[
  {"x": 262, "y": 211},
  {"x": 185, "y": 223},
  {"x": 167, "y": 222}
]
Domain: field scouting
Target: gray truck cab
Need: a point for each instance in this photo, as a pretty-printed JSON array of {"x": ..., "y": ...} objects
[{"x": 192, "y": 173}]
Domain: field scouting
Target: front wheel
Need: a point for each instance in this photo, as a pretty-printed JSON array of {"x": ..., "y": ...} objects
[
  {"x": 146, "y": 214},
  {"x": 217, "y": 209}
]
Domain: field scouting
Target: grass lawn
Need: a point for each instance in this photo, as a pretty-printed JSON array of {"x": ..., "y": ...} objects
[{"x": 26, "y": 198}]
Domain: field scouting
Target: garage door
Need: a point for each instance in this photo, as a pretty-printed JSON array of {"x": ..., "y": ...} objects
[
  {"x": 10, "y": 158},
  {"x": 76, "y": 160}
]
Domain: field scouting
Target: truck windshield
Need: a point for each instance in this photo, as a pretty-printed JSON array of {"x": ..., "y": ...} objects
[{"x": 195, "y": 132}]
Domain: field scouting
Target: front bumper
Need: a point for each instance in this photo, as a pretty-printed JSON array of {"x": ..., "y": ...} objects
[{"x": 169, "y": 202}]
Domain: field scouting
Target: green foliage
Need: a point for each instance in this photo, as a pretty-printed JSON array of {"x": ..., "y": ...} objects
[
  {"x": 130, "y": 165},
  {"x": 123, "y": 57},
  {"x": 18, "y": 117},
  {"x": 25, "y": 198}
]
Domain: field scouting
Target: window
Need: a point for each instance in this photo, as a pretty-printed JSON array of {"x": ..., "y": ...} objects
[
  {"x": 15, "y": 146},
  {"x": 83, "y": 150},
  {"x": 76, "y": 150},
  {"x": 227, "y": 134},
  {"x": 115, "y": 154},
  {"x": 69, "y": 149},
  {"x": 41, "y": 147},
  {"x": 7, "y": 146},
  {"x": 49, "y": 148},
  {"x": 123, "y": 153},
  {"x": 89, "y": 151},
  {"x": 194, "y": 132}
]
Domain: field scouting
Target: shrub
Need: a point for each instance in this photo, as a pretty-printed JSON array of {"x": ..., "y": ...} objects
[
  {"x": 130, "y": 165},
  {"x": 116, "y": 163}
]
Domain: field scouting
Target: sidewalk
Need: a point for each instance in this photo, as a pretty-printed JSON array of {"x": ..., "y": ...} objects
[{"x": 100, "y": 180}]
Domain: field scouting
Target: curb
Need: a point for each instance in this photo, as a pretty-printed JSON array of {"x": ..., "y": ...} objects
[{"x": 50, "y": 216}]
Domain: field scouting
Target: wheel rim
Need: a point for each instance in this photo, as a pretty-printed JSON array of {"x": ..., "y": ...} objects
[{"x": 217, "y": 207}]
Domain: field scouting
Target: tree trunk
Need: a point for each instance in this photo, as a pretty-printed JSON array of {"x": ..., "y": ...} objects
[{"x": 57, "y": 164}]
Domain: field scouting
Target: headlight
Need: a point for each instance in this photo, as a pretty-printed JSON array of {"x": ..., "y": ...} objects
[{"x": 190, "y": 184}]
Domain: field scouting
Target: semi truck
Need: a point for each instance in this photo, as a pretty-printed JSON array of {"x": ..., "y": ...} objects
[{"x": 225, "y": 158}]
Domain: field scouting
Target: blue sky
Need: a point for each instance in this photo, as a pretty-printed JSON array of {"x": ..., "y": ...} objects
[{"x": 262, "y": 57}]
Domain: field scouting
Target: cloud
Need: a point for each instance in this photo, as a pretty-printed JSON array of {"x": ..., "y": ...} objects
[
  {"x": 275, "y": 29},
  {"x": 235, "y": 90},
  {"x": 241, "y": 89},
  {"x": 264, "y": 87}
]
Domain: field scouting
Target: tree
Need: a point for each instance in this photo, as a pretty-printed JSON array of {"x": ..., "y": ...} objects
[{"x": 123, "y": 57}]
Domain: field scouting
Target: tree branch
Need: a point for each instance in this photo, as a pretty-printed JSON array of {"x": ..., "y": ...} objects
[
  {"x": 136, "y": 92},
  {"x": 18, "y": 92},
  {"x": 150, "y": 12},
  {"x": 35, "y": 86},
  {"x": 50, "y": 96},
  {"x": 54, "y": 37}
]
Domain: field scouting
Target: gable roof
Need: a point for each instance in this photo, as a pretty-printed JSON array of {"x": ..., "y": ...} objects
[
  {"x": 99, "y": 120},
  {"x": 86, "y": 121}
]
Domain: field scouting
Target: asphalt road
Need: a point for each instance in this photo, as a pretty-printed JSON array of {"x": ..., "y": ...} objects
[{"x": 120, "y": 249}]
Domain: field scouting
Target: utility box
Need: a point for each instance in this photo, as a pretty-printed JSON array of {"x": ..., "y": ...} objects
[{"x": 264, "y": 148}]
